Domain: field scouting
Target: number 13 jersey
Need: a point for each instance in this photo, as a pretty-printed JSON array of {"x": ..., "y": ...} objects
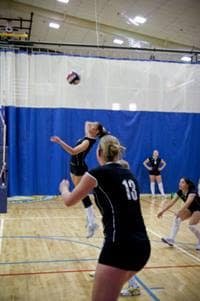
[{"x": 118, "y": 199}]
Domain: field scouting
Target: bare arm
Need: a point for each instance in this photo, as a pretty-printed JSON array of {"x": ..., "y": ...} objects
[
  {"x": 71, "y": 150},
  {"x": 84, "y": 187},
  {"x": 163, "y": 165},
  {"x": 145, "y": 163},
  {"x": 175, "y": 199}
]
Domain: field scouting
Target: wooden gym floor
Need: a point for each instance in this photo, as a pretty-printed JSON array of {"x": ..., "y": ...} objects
[{"x": 44, "y": 254}]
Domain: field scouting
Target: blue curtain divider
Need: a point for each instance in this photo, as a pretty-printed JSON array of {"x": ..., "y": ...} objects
[{"x": 37, "y": 165}]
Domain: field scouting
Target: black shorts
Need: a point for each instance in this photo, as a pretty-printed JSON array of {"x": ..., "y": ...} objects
[
  {"x": 130, "y": 256},
  {"x": 154, "y": 172},
  {"x": 78, "y": 170}
]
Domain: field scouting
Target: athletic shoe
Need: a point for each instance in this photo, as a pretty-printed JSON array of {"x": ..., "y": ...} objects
[
  {"x": 131, "y": 291},
  {"x": 92, "y": 274},
  {"x": 198, "y": 247},
  {"x": 168, "y": 241},
  {"x": 91, "y": 230}
]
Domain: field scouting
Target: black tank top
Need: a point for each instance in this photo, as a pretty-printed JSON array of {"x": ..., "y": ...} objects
[
  {"x": 79, "y": 159},
  {"x": 185, "y": 196},
  {"x": 117, "y": 197},
  {"x": 154, "y": 163}
]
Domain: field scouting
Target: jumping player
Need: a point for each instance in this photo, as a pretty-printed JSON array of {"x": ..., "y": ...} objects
[
  {"x": 78, "y": 165},
  {"x": 126, "y": 247},
  {"x": 155, "y": 164},
  {"x": 190, "y": 210}
]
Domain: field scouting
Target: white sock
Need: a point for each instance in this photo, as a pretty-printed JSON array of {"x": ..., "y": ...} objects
[
  {"x": 90, "y": 215},
  {"x": 152, "y": 187},
  {"x": 175, "y": 227},
  {"x": 161, "y": 189},
  {"x": 132, "y": 282},
  {"x": 195, "y": 230}
]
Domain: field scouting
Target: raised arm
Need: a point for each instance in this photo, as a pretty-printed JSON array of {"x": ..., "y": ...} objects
[
  {"x": 145, "y": 163},
  {"x": 175, "y": 199},
  {"x": 71, "y": 150},
  {"x": 84, "y": 187}
]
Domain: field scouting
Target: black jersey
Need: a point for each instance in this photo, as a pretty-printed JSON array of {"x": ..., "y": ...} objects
[
  {"x": 195, "y": 205},
  {"x": 117, "y": 197},
  {"x": 79, "y": 159},
  {"x": 154, "y": 163}
]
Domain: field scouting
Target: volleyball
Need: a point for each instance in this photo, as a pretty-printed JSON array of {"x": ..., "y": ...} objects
[{"x": 73, "y": 78}]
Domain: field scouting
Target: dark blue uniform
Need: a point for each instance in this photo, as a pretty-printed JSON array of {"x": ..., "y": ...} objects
[
  {"x": 195, "y": 205},
  {"x": 154, "y": 164},
  {"x": 117, "y": 196},
  {"x": 77, "y": 163}
]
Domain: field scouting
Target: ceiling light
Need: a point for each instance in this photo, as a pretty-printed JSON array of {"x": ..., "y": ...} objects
[
  {"x": 118, "y": 41},
  {"x": 137, "y": 20},
  {"x": 63, "y": 1},
  {"x": 116, "y": 106},
  {"x": 140, "y": 20},
  {"x": 137, "y": 44},
  {"x": 186, "y": 59},
  {"x": 54, "y": 25},
  {"x": 132, "y": 107}
]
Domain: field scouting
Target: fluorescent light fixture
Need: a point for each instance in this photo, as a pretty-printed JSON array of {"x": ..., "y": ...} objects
[
  {"x": 132, "y": 107},
  {"x": 63, "y": 1},
  {"x": 186, "y": 59},
  {"x": 140, "y": 20},
  {"x": 116, "y": 106},
  {"x": 118, "y": 41},
  {"x": 136, "y": 43},
  {"x": 54, "y": 25},
  {"x": 137, "y": 20}
]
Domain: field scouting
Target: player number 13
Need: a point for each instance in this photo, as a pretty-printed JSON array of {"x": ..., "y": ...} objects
[{"x": 130, "y": 189}]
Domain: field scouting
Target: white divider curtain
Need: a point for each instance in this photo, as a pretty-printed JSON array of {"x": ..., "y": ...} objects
[{"x": 159, "y": 108}]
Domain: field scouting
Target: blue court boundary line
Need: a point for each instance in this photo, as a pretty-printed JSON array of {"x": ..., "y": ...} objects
[
  {"x": 147, "y": 289},
  {"x": 49, "y": 261},
  {"x": 63, "y": 238}
]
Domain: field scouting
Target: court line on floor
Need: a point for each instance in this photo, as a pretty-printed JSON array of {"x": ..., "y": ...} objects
[
  {"x": 69, "y": 239},
  {"x": 158, "y": 204},
  {"x": 44, "y": 217},
  {"x": 80, "y": 270},
  {"x": 175, "y": 246},
  {"x": 147, "y": 289}
]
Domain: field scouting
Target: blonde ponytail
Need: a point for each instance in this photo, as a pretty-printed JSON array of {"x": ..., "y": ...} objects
[{"x": 111, "y": 148}]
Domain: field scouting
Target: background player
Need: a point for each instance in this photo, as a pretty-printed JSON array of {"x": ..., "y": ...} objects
[
  {"x": 155, "y": 164},
  {"x": 190, "y": 209}
]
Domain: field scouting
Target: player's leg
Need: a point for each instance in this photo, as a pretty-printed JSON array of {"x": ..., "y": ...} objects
[
  {"x": 108, "y": 282},
  {"x": 179, "y": 217},
  {"x": 193, "y": 226},
  {"x": 160, "y": 184},
  {"x": 152, "y": 184},
  {"x": 91, "y": 224}
]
